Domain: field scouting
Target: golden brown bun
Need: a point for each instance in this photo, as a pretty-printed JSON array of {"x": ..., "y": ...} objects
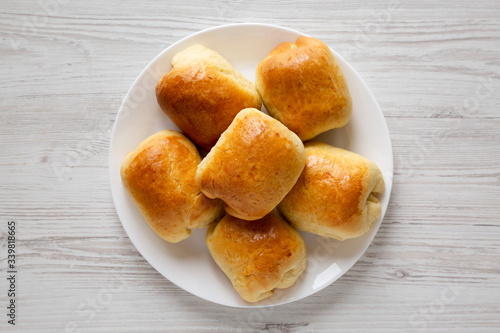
[
  {"x": 159, "y": 176},
  {"x": 303, "y": 86},
  {"x": 203, "y": 93},
  {"x": 256, "y": 161},
  {"x": 335, "y": 195},
  {"x": 257, "y": 256}
]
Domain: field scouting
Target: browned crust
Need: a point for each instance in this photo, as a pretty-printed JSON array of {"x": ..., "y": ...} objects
[
  {"x": 202, "y": 99},
  {"x": 160, "y": 177},
  {"x": 335, "y": 195},
  {"x": 257, "y": 256},
  {"x": 303, "y": 86},
  {"x": 253, "y": 166}
]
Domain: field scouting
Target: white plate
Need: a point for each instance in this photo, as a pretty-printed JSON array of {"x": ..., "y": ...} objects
[{"x": 188, "y": 264}]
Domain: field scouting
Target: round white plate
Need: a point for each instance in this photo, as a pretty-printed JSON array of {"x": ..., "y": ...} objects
[{"x": 188, "y": 264}]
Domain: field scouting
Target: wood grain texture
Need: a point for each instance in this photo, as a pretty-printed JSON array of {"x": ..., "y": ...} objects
[{"x": 434, "y": 67}]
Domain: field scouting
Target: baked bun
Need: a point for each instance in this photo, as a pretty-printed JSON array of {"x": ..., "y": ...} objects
[
  {"x": 257, "y": 256},
  {"x": 203, "y": 93},
  {"x": 303, "y": 86},
  {"x": 256, "y": 161},
  {"x": 336, "y": 194},
  {"x": 159, "y": 176}
]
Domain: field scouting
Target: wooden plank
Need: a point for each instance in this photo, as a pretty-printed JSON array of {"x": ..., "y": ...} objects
[{"x": 435, "y": 71}]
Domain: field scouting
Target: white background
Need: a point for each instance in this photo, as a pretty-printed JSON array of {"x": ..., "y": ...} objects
[{"x": 432, "y": 66}]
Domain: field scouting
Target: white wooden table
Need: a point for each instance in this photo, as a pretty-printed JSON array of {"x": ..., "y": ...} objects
[{"x": 434, "y": 67}]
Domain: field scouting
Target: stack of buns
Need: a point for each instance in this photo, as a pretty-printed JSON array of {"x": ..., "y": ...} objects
[{"x": 259, "y": 181}]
